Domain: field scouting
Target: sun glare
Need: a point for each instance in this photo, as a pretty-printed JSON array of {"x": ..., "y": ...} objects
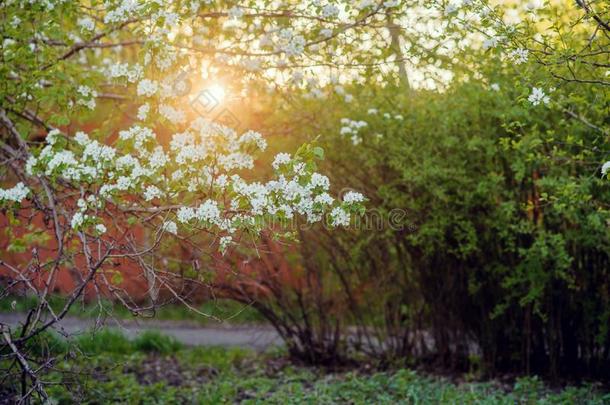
[{"x": 217, "y": 91}]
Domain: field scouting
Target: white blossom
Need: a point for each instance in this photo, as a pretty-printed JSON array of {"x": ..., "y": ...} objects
[
  {"x": 326, "y": 32},
  {"x": 147, "y": 87},
  {"x": 324, "y": 199},
  {"x": 30, "y": 164},
  {"x": 88, "y": 96},
  {"x": 281, "y": 159},
  {"x": 152, "y": 192},
  {"x": 339, "y": 217},
  {"x": 15, "y": 194},
  {"x": 319, "y": 180},
  {"x": 605, "y": 168},
  {"x": 532, "y": 5},
  {"x": 86, "y": 24},
  {"x": 224, "y": 243},
  {"x": 518, "y": 56},
  {"x": 125, "y": 10},
  {"x": 185, "y": 214},
  {"x": 77, "y": 220},
  {"x": 352, "y": 197},
  {"x": 52, "y": 136},
  {"x": 174, "y": 115},
  {"x": 390, "y": 3},
  {"x": 365, "y": 4},
  {"x": 451, "y": 8},
  {"x": 143, "y": 111},
  {"x": 81, "y": 138},
  {"x": 538, "y": 96},
  {"x": 346, "y": 130},
  {"x": 171, "y": 227},
  {"x": 208, "y": 212},
  {"x": 255, "y": 138},
  {"x": 490, "y": 43},
  {"x": 236, "y": 12},
  {"x": 330, "y": 10}
]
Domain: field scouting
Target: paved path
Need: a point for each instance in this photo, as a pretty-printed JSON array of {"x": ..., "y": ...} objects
[{"x": 257, "y": 337}]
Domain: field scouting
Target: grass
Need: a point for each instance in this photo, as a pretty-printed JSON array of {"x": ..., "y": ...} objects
[
  {"x": 223, "y": 309},
  {"x": 152, "y": 341},
  {"x": 154, "y": 369}
]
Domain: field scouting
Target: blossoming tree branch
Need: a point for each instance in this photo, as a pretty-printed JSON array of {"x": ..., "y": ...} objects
[{"x": 119, "y": 192}]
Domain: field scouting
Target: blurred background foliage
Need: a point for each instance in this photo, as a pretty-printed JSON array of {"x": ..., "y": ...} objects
[{"x": 487, "y": 236}]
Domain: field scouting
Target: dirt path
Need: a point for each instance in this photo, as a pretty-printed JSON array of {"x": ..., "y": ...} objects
[{"x": 257, "y": 337}]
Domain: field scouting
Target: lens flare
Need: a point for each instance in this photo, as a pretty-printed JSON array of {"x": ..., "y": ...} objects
[{"x": 217, "y": 91}]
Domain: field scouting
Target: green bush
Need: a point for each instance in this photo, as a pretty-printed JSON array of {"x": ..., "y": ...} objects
[
  {"x": 104, "y": 341},
  {"x": 502, "y": 239},
  {"x": 155, "y": 341}
]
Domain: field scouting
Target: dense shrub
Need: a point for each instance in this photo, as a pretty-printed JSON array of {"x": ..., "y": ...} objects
[
  {"x": 104, "y": 341},
  {"x": 155, "y": 341},
  {"x": 487, "y": 244}
]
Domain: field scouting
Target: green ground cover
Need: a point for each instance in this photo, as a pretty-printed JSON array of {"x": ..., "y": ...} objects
[{"x": 155, "y": 369}]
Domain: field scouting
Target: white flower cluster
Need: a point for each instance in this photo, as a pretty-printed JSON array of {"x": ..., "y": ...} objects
[
  {"x": 80, "y": 219},
  {"x": 290, "y": 43},
  {"x": 100, "y": 228},
  {"x": 253, "y": 138},
  {"x": 147, "y": 87},
  {"x": 518, "y": 56},
  {"x": 139, "y": 135},
  {"x": 224, "y": 243},
  {"x": 236, "y": 12},
  {"x": 88, "y": 97},
  {"x": 126, "y": 10},
  {"x": 330, "y": 11},
  {"x": 15, "y": 194},
  {"x": 352, "y": 197},
  {"x": 490, "y": 43},
  {"x": 346, "y": 96},
  {"x": 397, "y": 117},
  {"x": 339, "y": 217},
  {"x": 351, "y": 127},
  {"x": 86, "y": 24},
  {"x": 387, "y": 116},
  {"x": 451, "y": 8},
  {"x": 538, "y": 96},
  {"x": 192, "y": 180},
  {"x": 132, "y": 73},
  {"x": 365, "y": 4},
  {"x": 326, "y": 32},
  {"x": 173, "y": 115},
  {"x": 171, "y": 227},
  {"x": 143, "y": 111},
  {"x": 152, "y": 192},
  {"x": 281, "y": 159},
  {"x": 605, "y": 168},
  {"x": 198, "y": 161}
]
